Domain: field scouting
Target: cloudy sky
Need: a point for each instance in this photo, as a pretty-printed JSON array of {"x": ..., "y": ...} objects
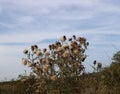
[{"x": 41, "y": 22}]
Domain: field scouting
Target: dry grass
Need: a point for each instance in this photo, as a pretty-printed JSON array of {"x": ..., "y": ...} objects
[{"x": 105, "y": 82}]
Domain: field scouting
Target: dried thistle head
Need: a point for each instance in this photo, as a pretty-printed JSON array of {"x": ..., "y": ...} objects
[
  {"x": 66, "y": 46},
  {"x": 24, "y": 61},
  {"x": 60, "y": 49},
  {"x": 25, "y": 51},
  {"x": 48, "y": 60},
  {"x": 53, "y": 77},
  {"x": 63, "y": 39},
  {"x": 30, "y": 64},
  {"x": 50, "y": 47},
  {"x": 45, "y": 68},
  {"x": 66, "y": 54},
  {"x": 70, "y": 39},
  {"x": 35, "y": 46},
  {"x": 74, "y": 37},
  {"x": 47, "y": 53},
  {"x": 82, "y": 40},
  {"x": 76, "y": 51},
  {"x": 99, "y": 65},
  {"x": 44, "y": 50},
  {"x": 32, "y": 48},
  {"x": 94, "y": 62},
  {"x": 38, "y": 53}
]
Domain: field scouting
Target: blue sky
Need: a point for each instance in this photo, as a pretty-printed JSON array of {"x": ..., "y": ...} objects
[{"x": 27, "y": 22}]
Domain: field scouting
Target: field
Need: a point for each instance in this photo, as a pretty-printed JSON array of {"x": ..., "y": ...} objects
[{"x": 104, "y": 82}]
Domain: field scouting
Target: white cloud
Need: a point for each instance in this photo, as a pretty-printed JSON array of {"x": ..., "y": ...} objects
[
  {"x": 25, "y": 19},
  {"x": 41, "y": 3},
  {"x": 6, "y": 25}
]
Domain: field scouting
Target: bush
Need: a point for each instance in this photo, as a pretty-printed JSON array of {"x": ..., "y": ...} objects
[{"x": 58, "y": 66}]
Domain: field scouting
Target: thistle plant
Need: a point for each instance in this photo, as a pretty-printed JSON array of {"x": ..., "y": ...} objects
[{"x": 62, "y": 59}]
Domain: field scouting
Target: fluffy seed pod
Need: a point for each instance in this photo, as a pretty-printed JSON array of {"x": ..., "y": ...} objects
[
  {"x": 66, "y": 54},
  {"x": 83, "y": 58},
  {"x": 25, "y": 51},
  {"x": 45, "y": 68},
  {"x": 65, "y": 46},
  {"x": 87, "y": 43},
  {"x": 50, "y": 47},
  {"x": 76, "y": 51},
  {"x": 32, "y": 48},
  {"x": 94, "y": 62},
  {"x": 74, "y": 37},
  {"x": 38, "y": 53},
  {"x": 58, "y": 43},
  {"x": 36, "y": 69},
  {"x": 63, "y": 38},
  {"x": 99, "y": 65},
  {"x": 47, "y": 53},
  {"x": 54, "y": 77},
  {"x": 70, "y": 39},
  {"x": 47, "y": 59},
  {"x": 44, "y": 50},
  {"x": 30, "y": 64},
  {"x": 60, "y": 49},
  {"x": 82, "y": 40},
  {"x": 43, "y": 60},
  {"x": 35, "y": 46},
  {"x": 24, "y": 61}
]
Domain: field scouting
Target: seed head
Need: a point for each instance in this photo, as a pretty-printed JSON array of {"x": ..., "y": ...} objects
[
  {"x": 38, "y": 53},
  {"x": 63, "y": 38},
  {"x": 30, "y": 64},
  {"x": 45, "y": 68},
  {"x": 94, "y": 62},
  {"x": 99, "y": 65},
  {"x": 66, "y": 54},
  {"x": 60, "y": 49},
  {"x": 24, "y": 61},
  {"x": 54, "y": 77},
  {"x": 32, "y": 48},
  {"x": 25, "y": 51},
  {"x": 35, "y": 46},
  {"x": 74, "y": 37},
  {"x": 47, "y": 53},
  {"x": 76, "y": 51},
  {"x": 65, "y": 46},
  {"x": 44, "y": 50}
]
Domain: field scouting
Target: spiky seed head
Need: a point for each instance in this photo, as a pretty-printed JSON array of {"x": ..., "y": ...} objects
[
  {"x": 70, "y": 39},
  {"x": 47, "y": 53},
  {"x": 99, "y": 65},
  {"x": 63, "y": 38},
  {"x": 45, "y": 68},
  {"x": 25, "y": 51},
  {"x": 44, "y": 50},
  {"x": 30, "y": 64},
  {"x": 60, "y": 49},
  {"x": 94, "y": 62},
  {"x": 32, "y": 48},
  {"x": 47, "y": 59},
  {"x": 35, "y": 46},
  {"x": 83, "y": 58},
  {"x": 74, "y": 37},
  {"x": 50, "y": 47},
  {"x": 76, "y": 51},
  {"x": 38, "y": 53},
  {"x": 54, "y": 77},
  {"x": 65, "y": 46},
  {"x": 24, "y": 61},
  {"x": 66, "y": 54}
]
